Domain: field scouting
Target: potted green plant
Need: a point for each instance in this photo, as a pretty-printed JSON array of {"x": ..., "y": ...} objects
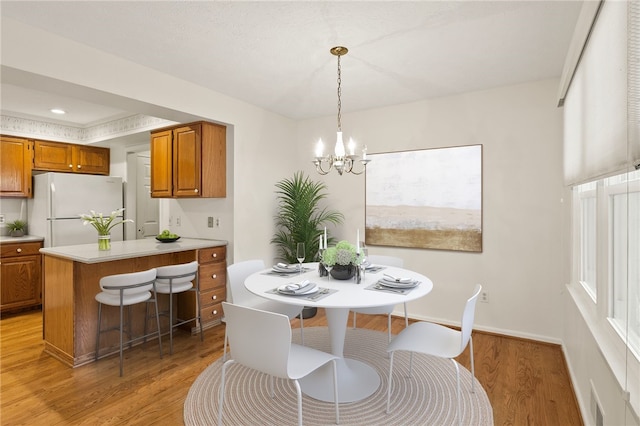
[
  {"x": 17, "y": 228},
  {"x": 342, "y": 260},
  {"x": 300, "y": 218}
]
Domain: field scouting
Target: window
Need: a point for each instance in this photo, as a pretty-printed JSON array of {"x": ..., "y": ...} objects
[
  {"x": 608, "y": 245},
  {"x": 624, "y": 256},
  {"x": 588, "y": 243}
]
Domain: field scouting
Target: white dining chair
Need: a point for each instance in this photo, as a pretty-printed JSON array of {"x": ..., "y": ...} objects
[
  {"x": 440, "y": 341},
  {"x": 175, "y": 279},
  {"x": 237, "y": 273},
  {"x": 125, "y": 290},
  {"x": 377, "y": 259},
  {"x": 261, "y": 340}
]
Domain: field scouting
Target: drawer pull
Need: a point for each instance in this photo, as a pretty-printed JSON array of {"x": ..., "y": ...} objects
[
  {"x": 215, "y": 255},
  {"x": 215, "y": 312},
  {"x": 214, "y": 297},
  {"x": 19, "y": 250},
  {"x": 214, "y": 276}
]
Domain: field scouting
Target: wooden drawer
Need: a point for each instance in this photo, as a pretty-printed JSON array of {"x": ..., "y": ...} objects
[
  {"x": 213, "y": 297},
  {"x": 211, "y": 313},
  {"x": 212, "y": 275},
  {"x": 20, "y": 249},
  {"x": 213, "y": 254}
]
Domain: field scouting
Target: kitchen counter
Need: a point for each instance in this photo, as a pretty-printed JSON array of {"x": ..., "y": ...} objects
[
  {"x": 6, "y": 239},
  {"x": 72, "y": 279},
  {"x": 89, "y": 253}
]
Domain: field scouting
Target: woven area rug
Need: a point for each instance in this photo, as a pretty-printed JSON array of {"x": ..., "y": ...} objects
[{"x": 427, "y": 398}]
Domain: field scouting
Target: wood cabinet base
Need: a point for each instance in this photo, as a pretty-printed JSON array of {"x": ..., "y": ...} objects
[{"x": 70, "y": 311}]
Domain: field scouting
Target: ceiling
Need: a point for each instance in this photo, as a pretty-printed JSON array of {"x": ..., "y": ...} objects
[{"x": 276, "y": 54}]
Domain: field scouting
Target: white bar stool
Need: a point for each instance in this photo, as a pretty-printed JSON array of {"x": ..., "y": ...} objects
[
  {"x": 175, "y": 279},
  {"x": 125, "y": 290}
]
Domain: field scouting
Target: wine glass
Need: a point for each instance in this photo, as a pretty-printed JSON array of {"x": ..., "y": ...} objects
[
  {"x": 300, "y": 255},
  {"x": 328, "y": 268}
]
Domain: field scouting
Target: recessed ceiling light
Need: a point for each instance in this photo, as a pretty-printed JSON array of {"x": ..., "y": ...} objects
[{"x": 58, "y": 111}]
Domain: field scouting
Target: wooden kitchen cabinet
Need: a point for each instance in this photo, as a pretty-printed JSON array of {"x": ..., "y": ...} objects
[
  {"x": 21, "y": 275},
  {"x": 161, "y": 164},
  {"x": 16, "y": 161},
  {"x": 67, "y": 157},
  {"x": 212, "y": 274},
  {"x": 189, "y": 161}
]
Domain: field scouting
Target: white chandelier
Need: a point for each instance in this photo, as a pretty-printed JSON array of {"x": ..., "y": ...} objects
[{"x": 339, "y": 160}]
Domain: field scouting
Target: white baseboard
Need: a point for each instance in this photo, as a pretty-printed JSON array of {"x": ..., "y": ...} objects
[{"x": 504, "y": 332}]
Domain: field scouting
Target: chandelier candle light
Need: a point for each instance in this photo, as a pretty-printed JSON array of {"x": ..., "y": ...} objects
[{"x": 339, "y": 160}]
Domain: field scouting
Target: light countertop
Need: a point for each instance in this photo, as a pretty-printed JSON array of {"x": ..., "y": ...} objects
[
  {"x": 6, "y": 239},
  {"x": 89, "y": 253}
]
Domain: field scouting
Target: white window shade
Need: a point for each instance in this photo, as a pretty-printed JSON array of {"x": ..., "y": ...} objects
[
  {"x": 595, "y": 107},
  {"x": 633, "y": 78}
]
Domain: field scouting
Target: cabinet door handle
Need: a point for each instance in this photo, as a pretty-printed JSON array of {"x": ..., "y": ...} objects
[
  {"x": 79, "y": 166},
  {"x": 214, "y": 276},
  {"x": 19, "y": 250},
  {"x": 195, "y": 190},
  {"x": 71, "y": 166}
]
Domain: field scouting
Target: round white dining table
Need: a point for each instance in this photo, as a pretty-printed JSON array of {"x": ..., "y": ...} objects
[{"x": 356, "y": 379}]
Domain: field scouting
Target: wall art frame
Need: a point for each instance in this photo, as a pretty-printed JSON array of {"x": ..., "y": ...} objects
[{"x": 429, "y": 198}]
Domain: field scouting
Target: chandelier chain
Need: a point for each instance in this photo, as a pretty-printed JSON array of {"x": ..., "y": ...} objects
[
  {"x": 340, "y": 160},
  {"x": 339, "y": 96}
]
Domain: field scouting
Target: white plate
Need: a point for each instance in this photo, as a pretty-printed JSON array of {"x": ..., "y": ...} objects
[
  {"x": 311, "y": 290},
  {"x": 398, "y": 280},
  {"x": 286, "y": 270},
  {"x": 398, "y": 285}
]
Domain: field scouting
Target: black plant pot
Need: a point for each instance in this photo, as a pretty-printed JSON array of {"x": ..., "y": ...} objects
[
  {"x": 343, "y": 272},
  {"x": 309, "y": 312}
]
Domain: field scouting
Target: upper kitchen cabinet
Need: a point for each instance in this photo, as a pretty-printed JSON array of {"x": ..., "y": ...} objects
[
  {"x": 16, "y": 161},
  {"x": 189, "y": 160},
  {"x": 66, "y": 157}
]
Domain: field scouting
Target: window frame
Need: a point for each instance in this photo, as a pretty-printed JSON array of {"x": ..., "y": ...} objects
[{"x": 628, "y": 335}]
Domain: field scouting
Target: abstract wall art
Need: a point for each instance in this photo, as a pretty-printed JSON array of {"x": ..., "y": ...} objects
[{"x": 429, "y": 198}]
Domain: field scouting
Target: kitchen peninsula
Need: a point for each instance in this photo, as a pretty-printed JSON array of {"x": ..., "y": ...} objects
[{"x": 71, "y": 281}]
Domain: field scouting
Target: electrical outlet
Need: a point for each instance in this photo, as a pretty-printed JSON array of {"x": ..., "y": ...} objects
[
  {"x": 484, "y": 297},
  {"x": 1, "y": 218},
  {"x": 217, "y": 222},
  {"x": 178, "y": 221},
  {"x": 210, "y": 221}
]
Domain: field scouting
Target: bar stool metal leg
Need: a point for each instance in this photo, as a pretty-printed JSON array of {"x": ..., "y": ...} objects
[
  {"x": 125, "y": 290},
  {"x": 172, "y": 280}
]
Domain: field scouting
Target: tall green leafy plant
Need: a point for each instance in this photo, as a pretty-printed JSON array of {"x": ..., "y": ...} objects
[{"x": 300, "y": 218}]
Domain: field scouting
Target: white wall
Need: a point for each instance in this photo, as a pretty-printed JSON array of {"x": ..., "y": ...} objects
[
  {"x": 594, "y": 359},
  {"x": 12, "y": 209},
  {"x": 520, "y": 129}
]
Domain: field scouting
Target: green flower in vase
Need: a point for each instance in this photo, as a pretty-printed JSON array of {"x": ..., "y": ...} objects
[{"x": 344, "y": 253}]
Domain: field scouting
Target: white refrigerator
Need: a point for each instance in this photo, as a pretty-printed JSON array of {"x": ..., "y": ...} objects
[{"x": 60, "y": 198}]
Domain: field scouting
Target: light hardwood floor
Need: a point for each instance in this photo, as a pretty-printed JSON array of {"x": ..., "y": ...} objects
[{"x": 527, "y": 382}]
